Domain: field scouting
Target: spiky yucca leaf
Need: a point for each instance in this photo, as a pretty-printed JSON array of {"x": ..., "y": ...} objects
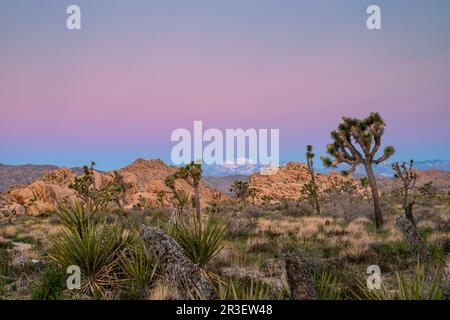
[
  {"x": 328, "y": 286},
  {"x": 138, "y": 263},
  {"x": 200, "y": 241},
  {"x": 86, "y": 241},
  {"x": 421, "y": 287},
  {"x": 235, "y": 289}
]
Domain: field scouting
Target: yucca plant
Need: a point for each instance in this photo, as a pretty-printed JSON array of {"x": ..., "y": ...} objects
[
  {"x": 200, "y": 241},
  {"x": 78, "y": 217},
  {"x": 328, "y": 286},
  {"x": 372, "y": 294},
  {"x": 421, "y": 287},
  {"x": 236, "y": 289},
  {"x": 418, "y": 287},
  {"x": 139, "y": 268},
  {"x": 88, "y": 242}
]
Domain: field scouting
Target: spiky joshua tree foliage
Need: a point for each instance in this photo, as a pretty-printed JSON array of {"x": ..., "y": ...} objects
[
  {"x": 240, "y": 189},
  {"x": 310, "y": 163},
  {"x": 356, "y": 142},
  {"x": 408, "y": 178},
  {"x": 192, "y": 174}
]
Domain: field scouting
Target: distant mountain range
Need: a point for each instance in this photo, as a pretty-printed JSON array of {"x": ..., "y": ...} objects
[
  {"x": 383, "y": 169},
  {"x": 11, "y": 175}
]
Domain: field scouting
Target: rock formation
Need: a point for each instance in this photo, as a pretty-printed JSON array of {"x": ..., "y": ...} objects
[
  {"x": 187, "y": 277},
  {"x": 287, "y": 182},
  {"x": 299, "y": 275},
  {"x": 141, "y": 181},
  {"x": 412, "y": 237}
]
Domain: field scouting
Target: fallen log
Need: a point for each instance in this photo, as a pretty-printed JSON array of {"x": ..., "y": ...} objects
[{"x": 190, "y": 281}]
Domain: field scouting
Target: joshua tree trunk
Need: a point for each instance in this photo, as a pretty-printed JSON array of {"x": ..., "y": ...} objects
[
  {"x": 316, "y": 200},
  {"x": 375, "y": 196},
  {"x": 408, "y": 207},
  {"x": 409, "y": 213},
  {"x": 197, "y": 203}
]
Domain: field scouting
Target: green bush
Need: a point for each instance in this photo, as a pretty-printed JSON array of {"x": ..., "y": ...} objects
[
  {"x": 51, "y": 284},
  {"x": 5, "y": 259},
  {"x": 328, "y": 285},
  {"x": 200, "y": 241},
  {"x": 421, "y": 286},
  {"x": 237, "y": 289},
  {"x": 139, "y": 268},
  {"x": 87, "y": 241}
]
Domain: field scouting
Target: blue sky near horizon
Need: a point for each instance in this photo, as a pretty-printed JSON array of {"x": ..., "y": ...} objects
[{"x": 115, "y": 90}]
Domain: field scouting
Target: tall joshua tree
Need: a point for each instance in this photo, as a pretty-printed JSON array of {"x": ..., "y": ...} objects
[
  {"x": 408, "y": 179},
  {"x": 355, "y": 142},
  {"x": 310, "y": 163},
  {"x": 240, "y": 189},
  {"x": 192, "y": 174}
]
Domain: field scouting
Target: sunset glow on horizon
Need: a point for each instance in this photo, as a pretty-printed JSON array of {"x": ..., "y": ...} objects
[{"x": 137, "y": 70}]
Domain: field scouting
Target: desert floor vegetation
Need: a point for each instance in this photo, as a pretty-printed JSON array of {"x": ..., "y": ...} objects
[{"x": 241, "y": 251}]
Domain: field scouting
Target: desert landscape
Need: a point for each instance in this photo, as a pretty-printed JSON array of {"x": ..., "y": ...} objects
[
  {"x": 182, "y": 151},
  {"x": 142, "y": 230}
]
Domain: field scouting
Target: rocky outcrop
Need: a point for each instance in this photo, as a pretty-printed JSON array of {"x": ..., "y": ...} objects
[
  {"x": 186, "y": 276},
  {"x": 411, "y": 236},
  {"x": 43, "y": 195},
  {"x": 299, "y": 274},
  {"x": 141, "y": 181},
  {"x": 287, "y": 182}
]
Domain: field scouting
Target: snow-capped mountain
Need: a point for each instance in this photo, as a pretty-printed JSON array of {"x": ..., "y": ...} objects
[
  {"x": 385, "y": 169},
  {"x": 241, "y": 166},
  {"x": 247, "y": 167}
]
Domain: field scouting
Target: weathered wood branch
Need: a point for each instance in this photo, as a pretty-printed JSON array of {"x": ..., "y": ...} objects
[{"x": 187, "y": 277}]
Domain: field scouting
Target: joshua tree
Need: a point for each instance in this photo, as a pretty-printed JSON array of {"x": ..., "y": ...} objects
[
  {"x": 191, "y": 173},
  {"x": 428, "y": 191},
  {"x": 408, "y": 179},
  {"x": 83, "y": 184},
  {"x": 309, "y": 161},
  {"x": 179, "y": 196},
  {"x": 357, "y": 142},
  {"x": 252, "y": 193},
  {"x": 240, "y": 188},
  {"x": 160, "y": 197},
  {"x": 266, "y": 199},
  {"x": 365, "y": 185},
  {"x": 307, "y": 192},
  {"x": 215, "y": 202}
]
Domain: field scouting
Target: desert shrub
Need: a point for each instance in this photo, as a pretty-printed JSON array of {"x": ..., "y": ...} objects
[
  {"x": 5, "y": 259},
  {"x": 50, "y": 285},
  {"x": 53, "y": 219},
  {"x": 240, "y": 228},
  {"x": 157, "y": 217},
  {"x": 243, "y": 289},
  {"x": 139, "y": 269},
  {"x": 328, "y": 285},
  {"x": 250, "y": 212},
  {"x": 201, "y": 241},
  {"x": 2, "y": 287},
  {"x": 132, "y": 220},
  {"x": 421, "y": 286},
  {"x": 443, "y": 224},
  {"x": 267, "y": 247},
  {"x": 423, "y": 213},
  {"x": 86, "y": 241},
  {"x": 298, "y": 209}
]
